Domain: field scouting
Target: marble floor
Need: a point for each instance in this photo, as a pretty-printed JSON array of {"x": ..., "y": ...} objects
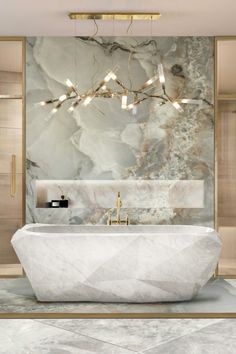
[
  {"x": 109, "y": 336},
  {"x": 218, "y": 296}
]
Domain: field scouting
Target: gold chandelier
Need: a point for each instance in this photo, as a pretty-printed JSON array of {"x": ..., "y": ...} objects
[{"x": 129, "y": 98}]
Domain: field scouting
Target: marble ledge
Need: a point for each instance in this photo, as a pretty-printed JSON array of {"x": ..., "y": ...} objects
[{"x": 143, "y": 194}]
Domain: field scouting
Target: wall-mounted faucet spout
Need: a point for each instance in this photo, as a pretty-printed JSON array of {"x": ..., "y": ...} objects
[{"x": 118, "y": 220}]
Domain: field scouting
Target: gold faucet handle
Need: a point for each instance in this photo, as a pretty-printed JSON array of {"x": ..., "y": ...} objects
[
  {"x": 109, "y": 219},
  {"x": 118, "y": 201}
]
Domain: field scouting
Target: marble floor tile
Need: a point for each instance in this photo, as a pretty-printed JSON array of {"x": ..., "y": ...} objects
[
  {"x": 217, "y": 338},
  {"x": 31, "y": 337},
  {"x": 218, "y": 296},
  {"x": 136, "y": 335},
  {"x": 158, "y": 336},
  {"x": 231, "y": 282}
]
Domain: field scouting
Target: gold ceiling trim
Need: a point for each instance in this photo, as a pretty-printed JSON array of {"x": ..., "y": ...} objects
[{"x": 114, "y": 16}]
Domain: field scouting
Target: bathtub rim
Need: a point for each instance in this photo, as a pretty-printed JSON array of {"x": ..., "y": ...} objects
[{"x": 201, "y": 231}]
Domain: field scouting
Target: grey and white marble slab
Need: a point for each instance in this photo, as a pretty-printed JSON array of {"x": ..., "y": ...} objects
[
  {"x": 31, "y": 337},
  {"x": 231, "y": 282},
  {"x": 16, "y": 296},
  {"x": 137, "y": 335},
  {"x": 217, "y": 338},
  {"x": 159, "y": 336},
  {"x": 102, "y": 142}
]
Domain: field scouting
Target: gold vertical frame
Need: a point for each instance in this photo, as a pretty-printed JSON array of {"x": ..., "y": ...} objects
[
  {"x": 23, "y": 127},
  {"x": 216, "y": 147},
  {"x": 23, "y": 41}
]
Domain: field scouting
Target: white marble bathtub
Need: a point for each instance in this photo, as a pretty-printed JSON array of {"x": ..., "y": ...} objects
[{"x": 139, "y": 263}]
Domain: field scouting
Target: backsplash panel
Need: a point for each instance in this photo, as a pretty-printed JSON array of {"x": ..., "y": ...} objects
[{"x": 101, "y": 142}]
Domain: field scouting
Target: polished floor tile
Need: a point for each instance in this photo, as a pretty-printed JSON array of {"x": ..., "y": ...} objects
[
  {"x": 137, "y": 335},
  {"x": 231, "y": 282},
  {"x": 218, "y": 338},
  {"x": 158, "y": 336},
  {"x": 31, "y": 337}
]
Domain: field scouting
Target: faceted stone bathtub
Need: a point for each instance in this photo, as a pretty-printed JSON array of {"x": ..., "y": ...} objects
[{"x": 139, "y": 263}]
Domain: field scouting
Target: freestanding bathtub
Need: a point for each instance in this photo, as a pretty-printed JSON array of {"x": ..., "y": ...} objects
[{"x": 140, "y": 263}]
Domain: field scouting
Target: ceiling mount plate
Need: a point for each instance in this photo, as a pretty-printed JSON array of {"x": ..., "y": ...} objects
[{"x": 113, "y": 16}]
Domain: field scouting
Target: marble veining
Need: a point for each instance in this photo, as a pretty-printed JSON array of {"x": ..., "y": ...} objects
[
  {"x": 136, "y": 335},
  {"x": 144, "y": 194},
  {"x": 101, "y": 142},
  {"x": 27, "y": 336},
  {"x": 217, "y": 338},
  {"x": 112, "y": 336},
  {"x": 135, "y": 263}
]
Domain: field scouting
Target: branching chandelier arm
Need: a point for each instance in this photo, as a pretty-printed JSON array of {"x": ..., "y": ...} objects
[{"x": 122, "y": 92}]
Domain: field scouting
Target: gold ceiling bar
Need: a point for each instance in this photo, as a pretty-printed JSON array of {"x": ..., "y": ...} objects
[{"x": 113, "y": 16}]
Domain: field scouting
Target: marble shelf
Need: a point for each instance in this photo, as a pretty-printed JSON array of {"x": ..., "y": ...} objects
[{"x": 142, "y": 194}]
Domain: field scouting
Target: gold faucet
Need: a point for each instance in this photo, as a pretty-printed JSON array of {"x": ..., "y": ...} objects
[{"x": 118, "y": 220}]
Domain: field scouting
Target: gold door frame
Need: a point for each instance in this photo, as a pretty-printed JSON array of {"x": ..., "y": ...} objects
[
  {"x": 23, "y": 125},
  {"x": 217, "y": 99},
  {"x": 23, "y": 41}
]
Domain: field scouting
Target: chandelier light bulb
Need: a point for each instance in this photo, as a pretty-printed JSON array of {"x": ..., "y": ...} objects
[
  {"x": 130, "y": 106},
  {"x": 62, "y": 98},
  {"x": 87, "y": 100},
  {"x": 104, "y": 87},
  {"x": 161, "y": 74},
  {"x": 113, "y": 76},
  {"x": 110, "y": 76},
  {"x": 191, "y": 101},
  {"x": 107, "y": 78},
  {"x": 124, "y": 99},
  {"x": 177, "y": 106},
  {"x": 69, "y": 83},
  {"x": 42, "y": 103},
  {"x": 150, "y": 81}
]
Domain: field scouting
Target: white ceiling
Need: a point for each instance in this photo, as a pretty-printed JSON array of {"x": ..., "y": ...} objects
[{"x": 179, "y": 17}]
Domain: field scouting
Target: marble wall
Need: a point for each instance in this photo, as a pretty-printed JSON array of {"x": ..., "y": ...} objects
[{"x": 101, "y": 142}]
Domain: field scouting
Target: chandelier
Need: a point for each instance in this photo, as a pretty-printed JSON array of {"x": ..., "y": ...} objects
[{"x": 129, "y": 98}]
